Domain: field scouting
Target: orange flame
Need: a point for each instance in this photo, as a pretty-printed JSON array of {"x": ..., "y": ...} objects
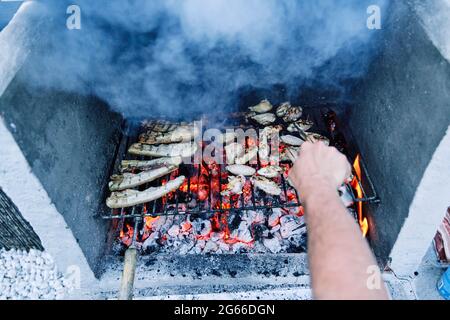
[{"x": 363, "y": 223}]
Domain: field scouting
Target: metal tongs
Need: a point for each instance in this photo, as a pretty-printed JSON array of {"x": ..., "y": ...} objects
[{"x": 303, "y": 134}]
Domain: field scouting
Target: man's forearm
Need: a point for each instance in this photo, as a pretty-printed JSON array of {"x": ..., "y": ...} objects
[{"x": 340, "y": 260}]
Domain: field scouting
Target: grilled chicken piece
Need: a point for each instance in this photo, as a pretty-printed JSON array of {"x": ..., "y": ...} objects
[
  {"x": 292, "y": 141},
  {"x": 293, "y": 114},
  {"x": 132, "y": 165},
  {"x": 241, "y": 170},
  {"x": 263, "y": 107},
  {"x": 290, "y": 154},
  {"x": 226, "y": 138},
  {"x": 129, "y": 198},
  {"x": 249, "y": 156},
  {"x": 130, "y": 180},
  {"x": 283, "y": 109},
  {"x": 180, "y": 134},
  {"x": 270, "y": 171},
  {"x": 318, "y": 137},
  {"x": 305, "y": 125},
  {"x": 264, "y": 119},
  {"x": 266, "y": 185},
  {"x": 234, "y": 186},
  {"x": 186, "y": 149},
  {"x": 264, "y": 146},
  {"x": 233, "y": 151},
  {"x": 163, "y": 126}
]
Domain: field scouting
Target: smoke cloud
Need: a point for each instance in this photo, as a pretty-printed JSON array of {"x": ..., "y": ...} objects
[{"x": 179, "y": 57}]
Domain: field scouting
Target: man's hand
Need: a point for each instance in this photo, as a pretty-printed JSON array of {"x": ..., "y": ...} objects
[
  {"x": 335, "y": 243},
  {"x": 317, "y": 165}
]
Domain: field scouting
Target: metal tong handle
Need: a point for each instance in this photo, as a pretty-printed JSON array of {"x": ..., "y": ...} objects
[{"x": 303, "y": 134}]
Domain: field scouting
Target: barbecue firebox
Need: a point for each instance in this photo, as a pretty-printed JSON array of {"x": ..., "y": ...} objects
[
  {"x": 392, "y": 120},
  {"x": 201, "y": 216}
]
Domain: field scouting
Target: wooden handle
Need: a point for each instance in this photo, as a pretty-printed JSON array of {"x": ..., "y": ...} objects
[{"x": 129, "y": 271}]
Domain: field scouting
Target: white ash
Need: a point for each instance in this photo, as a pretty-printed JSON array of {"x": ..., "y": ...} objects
[
  {"x": 253, "y": 231},
  {"x": 30, "y": 276},
  {"x": 272, "y": 244}
]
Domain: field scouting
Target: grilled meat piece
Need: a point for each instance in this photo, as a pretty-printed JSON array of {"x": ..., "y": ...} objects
[
  {"x": 241, "y": 170},
  {"x": 233, "y": 151},
  {"x": 266, "y": 185},
  {"x": 226, "y": 138},
  {"x": 179, "y": 134},
  {"x": 186, "y": 149},
  {"x": 283, "y": 109},
  {"x": 129, "y": 198},
  {"x": 163, "y": 126},
  {"x": 264, "y": 119},
  {"x": 234, "y": 186},
  {"x": 264, "y": 146},
  {"x": 318, "y": 137},
  {"x": 290, "y": 154},
  {"x": 292, "y": 141},
  {"x": 247, "y": 157},
  {"x": 305, "y": 125},
  {"x": 146, "y": 165},
  {"x": 263, "y": 107},
  {"x": 270, "y": 172},
  {"x": 293, "y": 114},
  {"x": 130, "y": 180}
]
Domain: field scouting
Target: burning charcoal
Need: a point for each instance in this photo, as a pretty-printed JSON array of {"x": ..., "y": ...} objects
[
  {"x": 274, "y": 218},
  {"x": 233, "y": 220},
  {"x": 275, "y": 229},
  {"x": 298, "y": 243},
  {"x": 239, "y": 247},
  {"x": 202, "y": 227},
  {"x": 291, "y": 225},
  {"x": 259, "y": 247},
  {"x": 216, "y": 236},
  {"x": 211, "y": 246},
  {"x": 186, "y": 226},
  {"x": 195, "y": 250},
  {"x": 151, "y": 244},
  {"x": 201, "y": 244},
  {"x": 206, "y": 228},
  {"x": 185, "y": 248},
  {"x": 260, "y": 231},
  {"x": 192, "y": 203},
  {"x": 174, "y": 231},
  {"x": 272, "y": 244},
  {"x": 224, "y": 247},
  {"x": 254, "y": 217},
  {"x": 242, "y": 233}
]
